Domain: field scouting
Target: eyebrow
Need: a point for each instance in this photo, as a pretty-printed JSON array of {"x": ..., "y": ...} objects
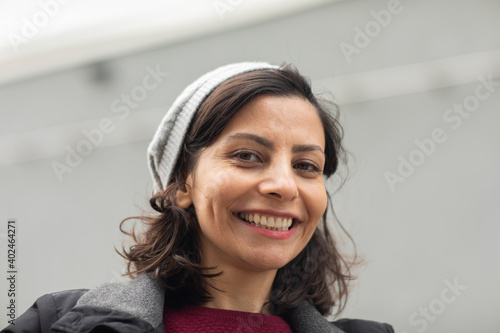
[
  {"x": 247, "y": 136},
  {"x": 305, "y": 148},
  {"x": 268, "y": 144}
]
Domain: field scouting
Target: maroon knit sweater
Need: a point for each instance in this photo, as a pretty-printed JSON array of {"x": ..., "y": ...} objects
[{"x": 194, "y": 319}]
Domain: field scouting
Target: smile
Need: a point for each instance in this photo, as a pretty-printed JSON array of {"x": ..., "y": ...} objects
[{"x": 267, "y": 222}]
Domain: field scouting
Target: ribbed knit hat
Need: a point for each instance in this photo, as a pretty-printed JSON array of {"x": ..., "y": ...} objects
[{"x": 165, "y": 147}]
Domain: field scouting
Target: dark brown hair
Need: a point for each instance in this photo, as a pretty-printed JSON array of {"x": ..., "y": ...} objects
[{"x": 169, "y": 248}]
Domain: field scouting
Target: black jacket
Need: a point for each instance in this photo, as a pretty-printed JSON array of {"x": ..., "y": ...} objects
[{"x": 137, "y": 306}]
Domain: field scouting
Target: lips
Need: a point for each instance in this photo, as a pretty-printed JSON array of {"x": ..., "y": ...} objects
[{"x": 276, "y": 223}]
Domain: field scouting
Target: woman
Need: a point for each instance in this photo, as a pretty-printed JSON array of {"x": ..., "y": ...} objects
[{"x": 239, "y": 242}]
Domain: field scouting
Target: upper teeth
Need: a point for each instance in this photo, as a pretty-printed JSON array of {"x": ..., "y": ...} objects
[{"x": 268, "y": 222}]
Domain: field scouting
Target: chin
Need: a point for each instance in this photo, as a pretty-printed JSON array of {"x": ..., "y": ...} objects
[{"x": 270, "y": 263}]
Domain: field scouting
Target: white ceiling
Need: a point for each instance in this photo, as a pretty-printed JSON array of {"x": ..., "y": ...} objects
[{"x": 70, "y": 33}]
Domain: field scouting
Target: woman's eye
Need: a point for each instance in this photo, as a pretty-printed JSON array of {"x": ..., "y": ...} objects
[
  {"x": 247, "y": 156},
  {"x": 307, "y": 167}
]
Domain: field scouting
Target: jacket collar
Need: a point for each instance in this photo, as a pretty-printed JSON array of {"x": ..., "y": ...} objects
[
  {"x": 142, "y": 297},
  {"x": 306, "y": 318}
]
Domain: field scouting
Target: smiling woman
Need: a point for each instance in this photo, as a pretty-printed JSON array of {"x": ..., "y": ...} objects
[
  {"x": 254, "y": 170},
  {"x": 239, "y": 240}
]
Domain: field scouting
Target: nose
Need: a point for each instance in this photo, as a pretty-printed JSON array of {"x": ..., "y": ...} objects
[{"x": 279, "y": 182}]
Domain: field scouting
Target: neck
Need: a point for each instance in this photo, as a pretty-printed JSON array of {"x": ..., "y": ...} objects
[{"x": 241, "y": 290}]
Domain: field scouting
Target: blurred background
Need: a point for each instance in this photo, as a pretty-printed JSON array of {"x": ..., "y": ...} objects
[{"x": 83, "y": 85}]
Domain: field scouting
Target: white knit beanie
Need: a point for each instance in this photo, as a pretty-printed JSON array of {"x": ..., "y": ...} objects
[{"x": 165, "y": 147}]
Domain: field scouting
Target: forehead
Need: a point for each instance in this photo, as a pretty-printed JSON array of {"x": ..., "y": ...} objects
[{"x": 291, "y": 118}]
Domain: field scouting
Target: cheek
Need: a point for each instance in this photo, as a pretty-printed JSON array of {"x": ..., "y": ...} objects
[
  {"x": 317, "y": 203},
  {"x": 216, "y": 186},
  {"x": 324, "y": 201},
  {"x": 214, "y": 191}
]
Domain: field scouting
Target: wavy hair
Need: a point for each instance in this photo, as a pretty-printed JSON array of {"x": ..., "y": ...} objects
[{"x": 169, "y": 248}]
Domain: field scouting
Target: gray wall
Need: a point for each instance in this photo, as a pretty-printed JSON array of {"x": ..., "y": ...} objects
[{"x": 438, "y": 227}]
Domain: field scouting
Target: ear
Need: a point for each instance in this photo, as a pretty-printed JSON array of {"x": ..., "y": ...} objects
[{"x": 183, "y": 197}]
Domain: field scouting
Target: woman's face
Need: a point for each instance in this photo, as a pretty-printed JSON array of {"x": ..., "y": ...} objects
[{"x": 265, "y": 165}]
